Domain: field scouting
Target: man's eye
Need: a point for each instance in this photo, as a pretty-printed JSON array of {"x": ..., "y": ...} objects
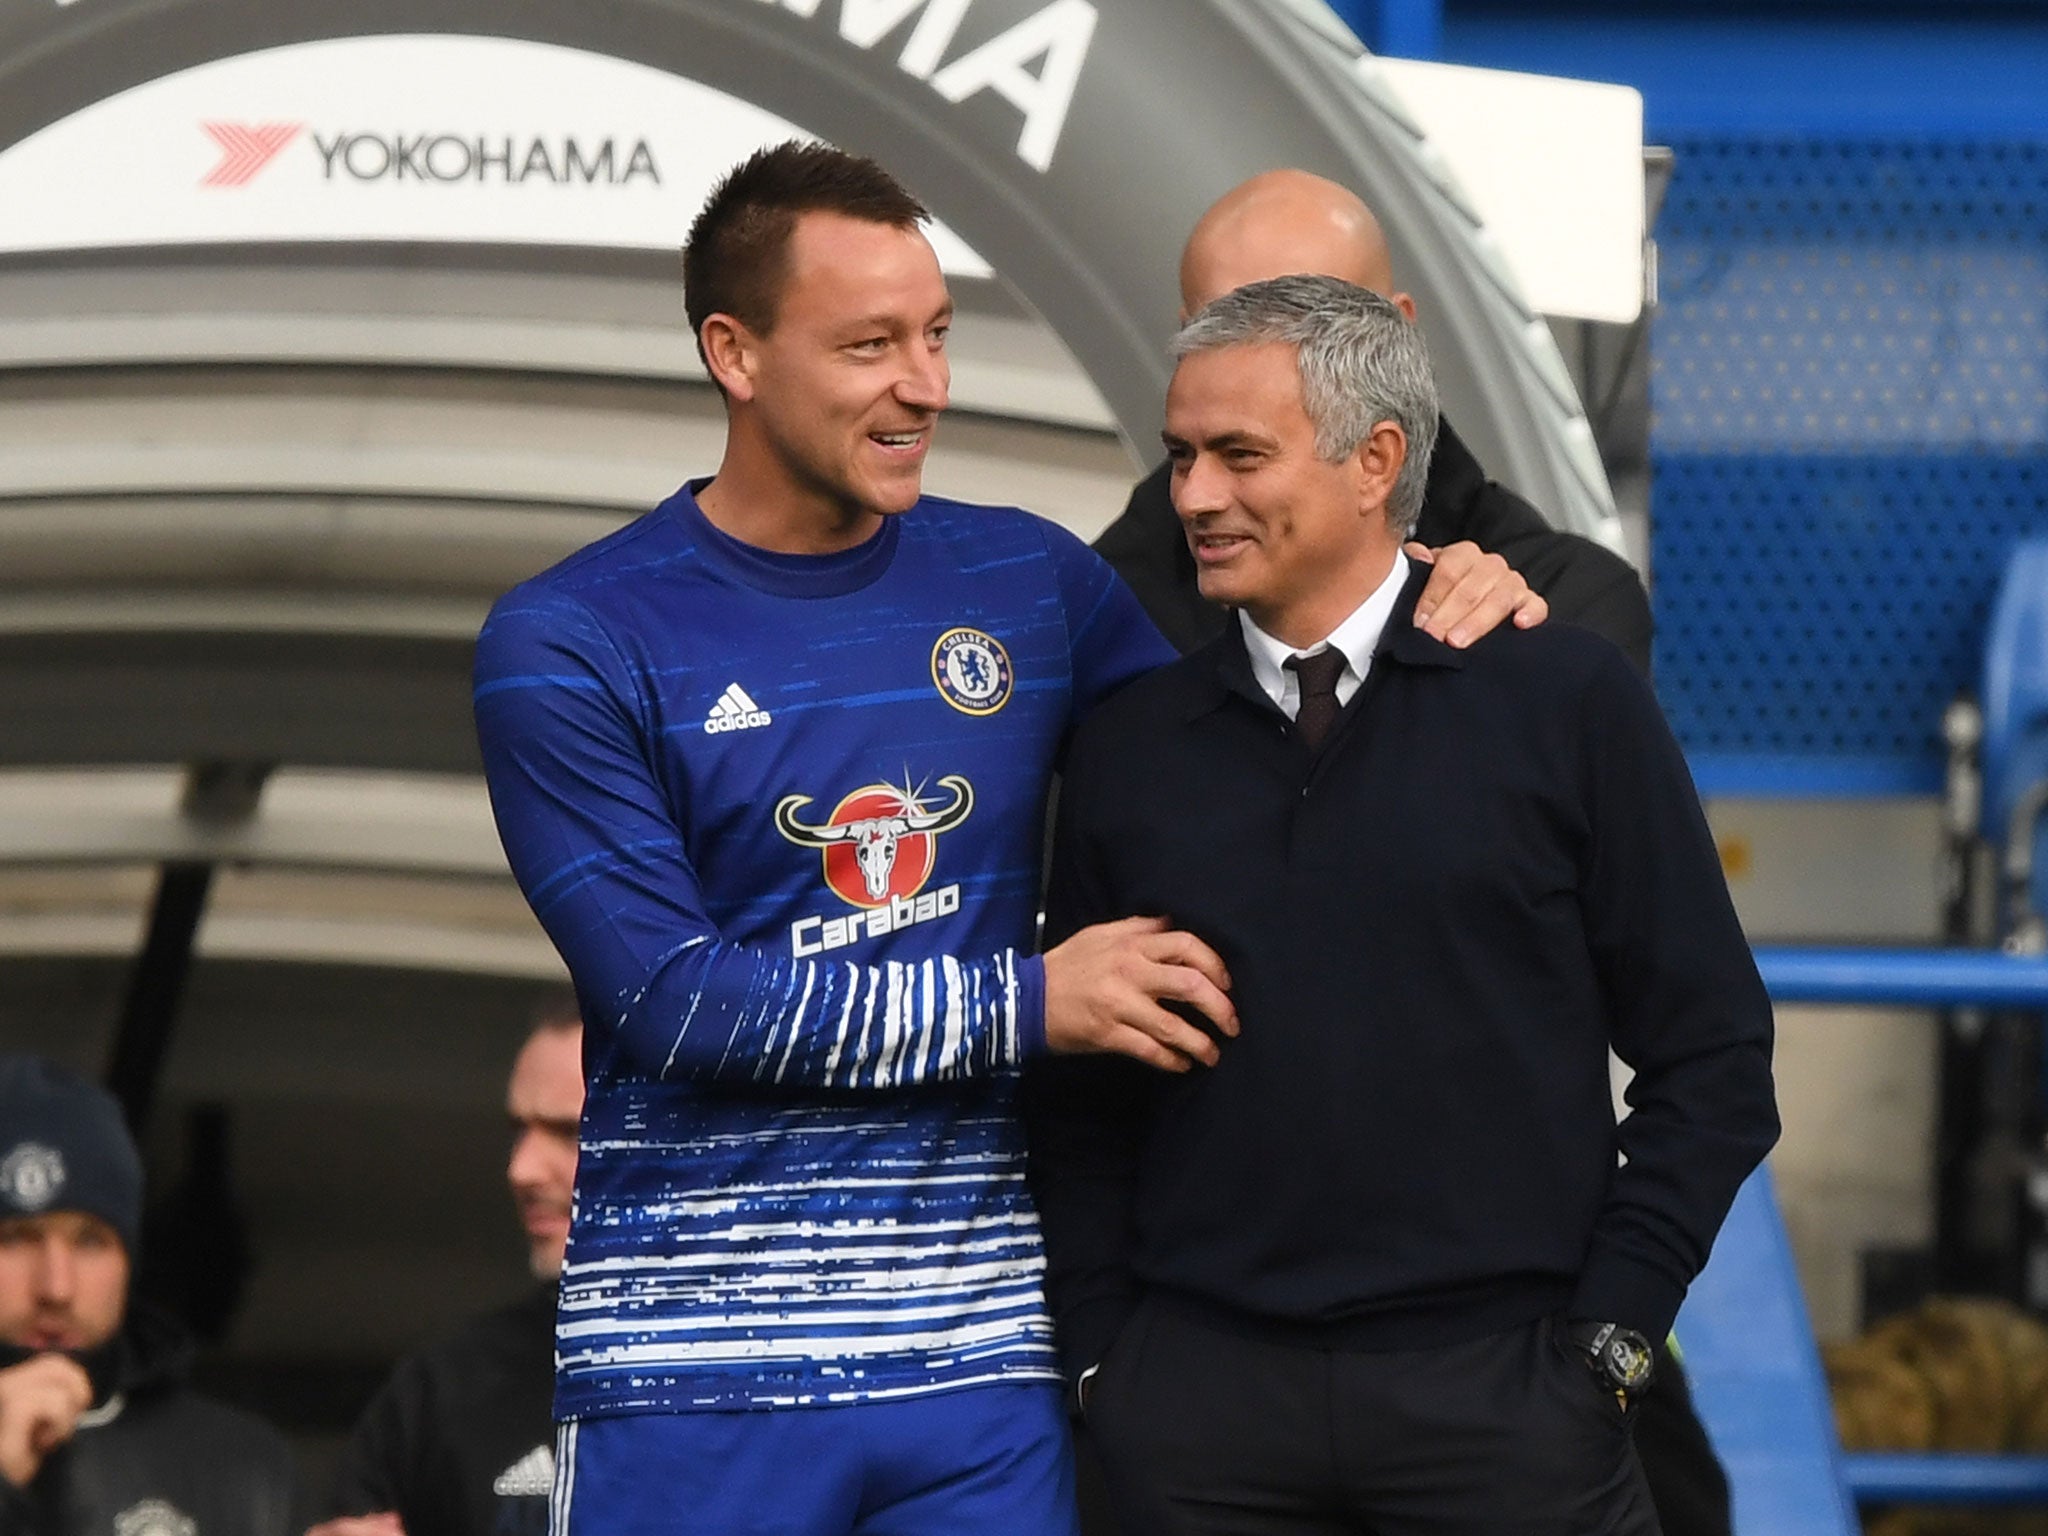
[{"x": 939, "y": 334}]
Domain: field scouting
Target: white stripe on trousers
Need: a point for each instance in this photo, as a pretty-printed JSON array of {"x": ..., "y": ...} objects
[{"x": 565, "y": 1478}]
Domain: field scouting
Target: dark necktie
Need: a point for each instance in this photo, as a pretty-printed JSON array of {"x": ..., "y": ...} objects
[{"x": 1318, "y": 675}]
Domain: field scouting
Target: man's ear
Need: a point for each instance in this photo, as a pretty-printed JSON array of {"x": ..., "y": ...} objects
[
  {"x": 1379, "y": 460},
  {"x": 729, "y": 354},
  {"x": 1404, "y": 303}
]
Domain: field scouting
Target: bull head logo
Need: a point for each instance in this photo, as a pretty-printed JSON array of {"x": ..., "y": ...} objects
[{"x": 875, "y": 824}]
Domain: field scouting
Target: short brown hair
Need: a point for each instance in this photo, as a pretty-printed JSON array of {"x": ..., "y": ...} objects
[{"x": 736, "y": 259}]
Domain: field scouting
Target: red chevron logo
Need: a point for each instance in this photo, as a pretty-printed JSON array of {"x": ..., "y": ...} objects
[{"x": 245, "y": 150}]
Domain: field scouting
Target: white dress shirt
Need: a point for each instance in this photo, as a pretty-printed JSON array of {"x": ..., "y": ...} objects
[{"x": 1357, "y": 637}]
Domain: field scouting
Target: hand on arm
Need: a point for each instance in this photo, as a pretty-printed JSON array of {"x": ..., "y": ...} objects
[
  {"x": 1105, "y": 988},
  {"x": 41, "y": 1401},
  {"x": 1469, "y": 594}
]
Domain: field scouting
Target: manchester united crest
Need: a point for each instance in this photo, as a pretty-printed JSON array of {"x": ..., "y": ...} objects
[
  {"x": 31, "y": 1175},
  {"x": 154, "y": 1517}
]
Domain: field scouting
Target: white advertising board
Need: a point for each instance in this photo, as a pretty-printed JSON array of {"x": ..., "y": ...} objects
[
  {"x": 391, "y": 138},
  {"x": 495, "y": 140}
]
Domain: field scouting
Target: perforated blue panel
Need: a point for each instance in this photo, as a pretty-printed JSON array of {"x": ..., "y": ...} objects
[
  {"x": 1816, "y": 615},
  {"x": 1850, "y": 429}
]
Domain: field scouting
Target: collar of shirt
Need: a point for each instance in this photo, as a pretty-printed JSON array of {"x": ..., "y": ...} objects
[{"x": 1357, "y": 637}]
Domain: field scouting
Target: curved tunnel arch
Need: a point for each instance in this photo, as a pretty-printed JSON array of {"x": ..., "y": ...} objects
[
  {"x": 1088, "y": 242},
  {"x": 1176, "y": 100}
]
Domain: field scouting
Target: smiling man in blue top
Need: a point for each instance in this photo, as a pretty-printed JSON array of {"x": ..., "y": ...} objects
[{"x": 770, "y": 765}]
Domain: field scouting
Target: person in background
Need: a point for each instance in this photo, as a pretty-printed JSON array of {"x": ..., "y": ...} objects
[
  {"x": 1285, "y": 222},
  {"x": 460, "y": 1440},
  {"x": 99, "y": 1430}
]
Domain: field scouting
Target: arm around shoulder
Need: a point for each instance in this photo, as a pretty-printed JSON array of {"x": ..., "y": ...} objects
[
  {"x": 1589, "y": 585},
  {"x": 1614, "y": 606}
]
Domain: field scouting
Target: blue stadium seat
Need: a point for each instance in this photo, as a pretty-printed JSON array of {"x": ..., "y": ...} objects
[{"x": 2015, "y": 701}]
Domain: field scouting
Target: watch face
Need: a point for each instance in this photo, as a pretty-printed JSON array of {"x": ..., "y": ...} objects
[{"x": 1628, "y": 1359}]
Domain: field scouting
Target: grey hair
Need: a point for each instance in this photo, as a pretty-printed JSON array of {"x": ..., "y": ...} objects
[{"x": 1360, "y": 362}]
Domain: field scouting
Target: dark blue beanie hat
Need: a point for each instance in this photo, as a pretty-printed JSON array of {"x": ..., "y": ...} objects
[{"x": 65, "y": 1147}]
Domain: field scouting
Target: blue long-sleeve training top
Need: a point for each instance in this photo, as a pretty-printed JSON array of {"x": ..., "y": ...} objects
[{"x": 782, "y": 816}]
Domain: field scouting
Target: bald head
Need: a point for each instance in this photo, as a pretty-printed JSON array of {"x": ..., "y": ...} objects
[{"x": 1282, "y": 224}]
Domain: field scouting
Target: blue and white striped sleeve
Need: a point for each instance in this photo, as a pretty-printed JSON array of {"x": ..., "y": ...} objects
[{"x": 602, "y": 862}]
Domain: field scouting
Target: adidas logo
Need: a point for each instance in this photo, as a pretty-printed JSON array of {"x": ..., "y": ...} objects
[
  {"x": 734, "y": 711},
  {"x": 533, "y": 1473}
]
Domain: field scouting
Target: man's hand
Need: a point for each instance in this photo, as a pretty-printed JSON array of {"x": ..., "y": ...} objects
[
  {"x": 1470, "y": 592},
  {"x": 384, "y": 1523},
  {"x": 40, "y": 1403},
  {"x": 1104, "y": 986}
]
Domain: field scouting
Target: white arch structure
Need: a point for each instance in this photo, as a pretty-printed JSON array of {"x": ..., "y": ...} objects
[{"x": 254, "y": 501}]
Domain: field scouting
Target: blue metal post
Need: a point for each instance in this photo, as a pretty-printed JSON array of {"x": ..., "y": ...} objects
[
  {"x": 1945, "y": 1477},
  {"x": 1906, "y": 977},
  {"x": 1748, "y": 1347}
]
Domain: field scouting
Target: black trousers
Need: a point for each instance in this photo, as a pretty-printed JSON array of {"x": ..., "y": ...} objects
[{"x": 1203, "y": 1432}]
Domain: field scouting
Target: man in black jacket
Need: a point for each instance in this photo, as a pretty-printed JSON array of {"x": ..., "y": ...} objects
[
  {"x": 460, "y": 1440},
  {"x": 99, "y": 1432},
  {"x": 1289, "y": 221},
  {"x": 1378, "y": 1270}
]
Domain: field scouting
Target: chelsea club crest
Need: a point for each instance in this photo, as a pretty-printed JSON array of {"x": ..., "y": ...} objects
[{"x": 972, "y": 671}]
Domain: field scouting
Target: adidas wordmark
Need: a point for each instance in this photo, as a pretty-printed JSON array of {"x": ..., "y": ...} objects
[{"x": 734, "y": 711}]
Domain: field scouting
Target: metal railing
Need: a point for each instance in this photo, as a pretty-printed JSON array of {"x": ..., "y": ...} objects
[{"x": 1935, "y": 978}]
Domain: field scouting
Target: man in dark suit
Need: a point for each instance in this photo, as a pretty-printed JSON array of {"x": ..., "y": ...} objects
[
  {"x": 1378, "y": 1270},
  {"x": 1290, "y": 221},
  {"x": 1287, "y": 221}
]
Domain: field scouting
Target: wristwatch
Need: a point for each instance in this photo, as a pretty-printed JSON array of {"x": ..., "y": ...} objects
[{"x": 1620, "y": 1357}]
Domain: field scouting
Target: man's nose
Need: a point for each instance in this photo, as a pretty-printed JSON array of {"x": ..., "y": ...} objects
[
  {"x": 57, "y": 1272},
  {"x": 1200, "y": 486},
  {"x": 522, "y": 1169},
  {"x": 927, "y": 381}
]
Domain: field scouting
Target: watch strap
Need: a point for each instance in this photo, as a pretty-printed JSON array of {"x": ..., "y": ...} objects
[{"x": 1588, "y": 1336}]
